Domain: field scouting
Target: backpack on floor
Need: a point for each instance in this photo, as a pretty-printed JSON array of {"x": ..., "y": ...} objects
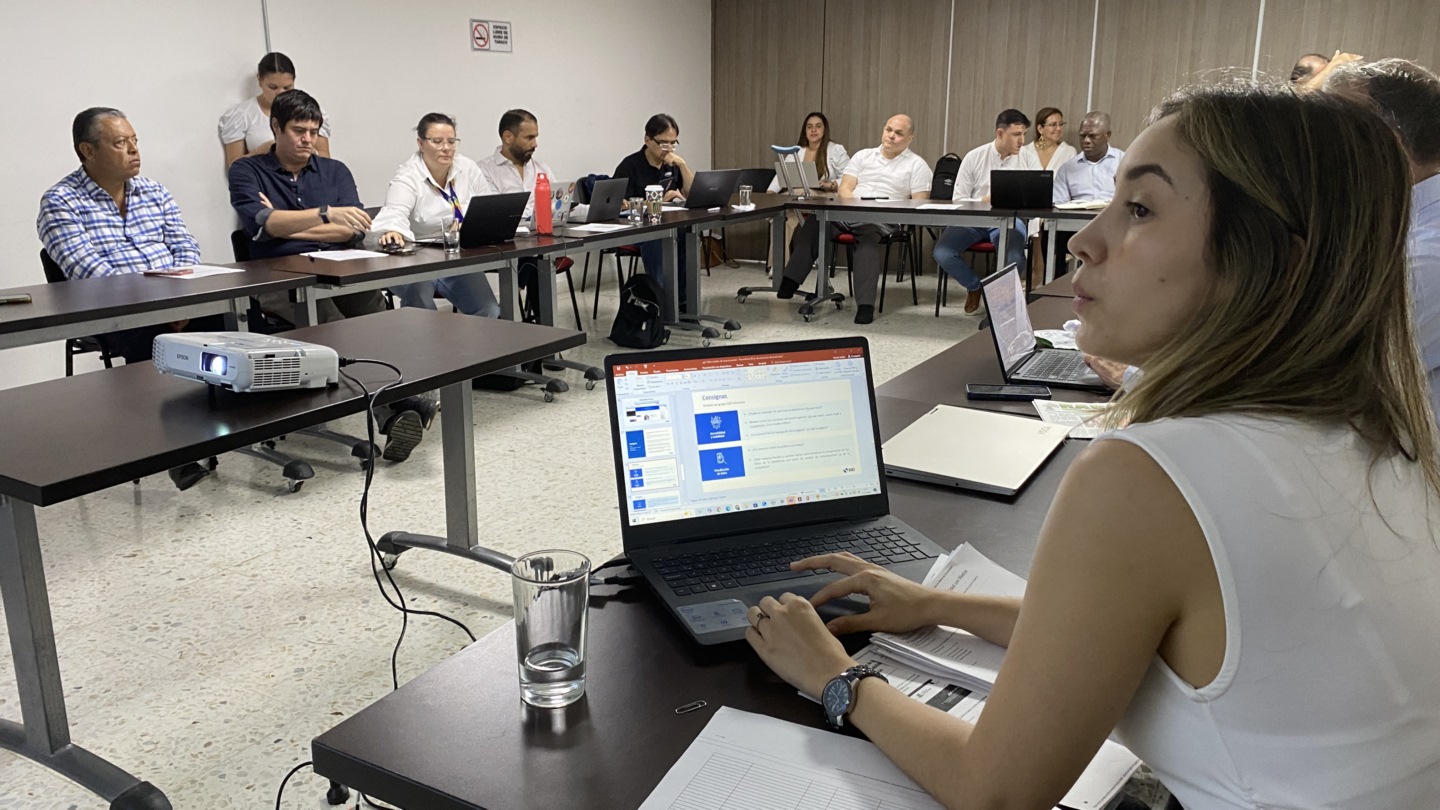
[
  {"x": 947, "y": 168},
  {"x": 638, "y": 322}
]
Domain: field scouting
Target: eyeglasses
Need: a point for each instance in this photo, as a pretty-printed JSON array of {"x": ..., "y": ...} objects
[
  {"x": 441, "y": 143},
  {"x": 666, "y": 144}
]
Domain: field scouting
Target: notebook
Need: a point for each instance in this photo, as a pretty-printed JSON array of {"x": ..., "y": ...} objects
[
  {"x": 972, "y": 449},
  {"x": 730, "y": 462}
]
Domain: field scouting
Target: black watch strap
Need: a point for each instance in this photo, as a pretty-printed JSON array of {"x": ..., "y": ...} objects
[{"x": 325, "y": 214}]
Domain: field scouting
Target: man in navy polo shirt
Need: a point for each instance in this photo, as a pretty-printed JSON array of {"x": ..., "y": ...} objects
[{"x": 290, "y": 201}]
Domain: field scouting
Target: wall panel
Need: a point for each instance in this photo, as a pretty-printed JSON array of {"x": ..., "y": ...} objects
[
  {"x": 1147, "y": 48},
  {"x": 1405, "y": 28}
]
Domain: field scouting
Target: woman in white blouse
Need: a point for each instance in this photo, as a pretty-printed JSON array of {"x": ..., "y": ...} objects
[
  {"x": 1243, "y": 581},
  {"x": 1049, "y": 149},
  {"x": 830, "y": 160},
  {"x": 245, "y": 127},
  {"x": 430, "y": 191}
]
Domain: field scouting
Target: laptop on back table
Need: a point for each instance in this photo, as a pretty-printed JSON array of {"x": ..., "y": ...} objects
[
  {"x": 1020, "y": 359},
  {"x": 733, "y": 461}
]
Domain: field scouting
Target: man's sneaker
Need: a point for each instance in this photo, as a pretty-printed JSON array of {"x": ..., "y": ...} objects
[
  {"x": 424, "y": 406},
  {"x": 403, "y": 433}
]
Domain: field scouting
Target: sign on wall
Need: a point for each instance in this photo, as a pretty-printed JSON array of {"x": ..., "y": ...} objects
[{"x": 490, "y": 35}]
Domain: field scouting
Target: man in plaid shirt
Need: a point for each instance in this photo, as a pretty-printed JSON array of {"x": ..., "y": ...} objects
[{"x": 104, "y": 219}]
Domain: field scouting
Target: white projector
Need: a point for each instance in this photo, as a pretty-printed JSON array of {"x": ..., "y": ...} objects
[{"x": 244, "y": 362}]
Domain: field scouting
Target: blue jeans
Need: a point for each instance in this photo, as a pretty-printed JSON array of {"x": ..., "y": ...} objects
[
  {"x": 470, "y": 293},
  {"x": 652, "y": 255},
  {"x": 953, "y": 243}
]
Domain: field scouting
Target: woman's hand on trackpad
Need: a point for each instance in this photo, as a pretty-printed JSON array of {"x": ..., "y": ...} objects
[{"x": 897, "y": 605}]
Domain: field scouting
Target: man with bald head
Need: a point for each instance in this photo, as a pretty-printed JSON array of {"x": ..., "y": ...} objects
[
  {"x": 889, "y": 171},
  {"x": 1089, "y": 175}
]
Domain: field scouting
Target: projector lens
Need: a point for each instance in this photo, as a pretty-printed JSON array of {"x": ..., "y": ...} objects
[{"x": 213, "y": 363}]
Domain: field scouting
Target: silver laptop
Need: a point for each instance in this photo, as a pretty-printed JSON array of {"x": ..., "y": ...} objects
[
  {"x": 973, "y": 449},
  {"x": 733, "y": 461},
  {"x": 808, "y": 177},
  {"x": 1020, "y": 359}
]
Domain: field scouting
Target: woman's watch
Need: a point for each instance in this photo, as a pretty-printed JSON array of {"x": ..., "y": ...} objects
[
  {"x": 838, "y": 696},
  {"x": 324, "y": 214}
]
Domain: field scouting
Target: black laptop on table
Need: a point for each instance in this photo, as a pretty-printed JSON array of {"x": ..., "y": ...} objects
[
  {"x": 1020, "y": 358},
  {"x": 712, "y": 189},
  {"x": 607, "y": 198},
  {"x": 733, "y": 461},
  {"x": 492, "y": 219},
  {"x": 758, "y": 180},
  {"x": 1022, "y": 189}
]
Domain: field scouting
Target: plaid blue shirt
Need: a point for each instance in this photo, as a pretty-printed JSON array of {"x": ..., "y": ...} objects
[{"x": 83, "y": 231}]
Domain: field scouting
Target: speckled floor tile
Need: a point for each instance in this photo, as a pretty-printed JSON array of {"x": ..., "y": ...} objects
[{"x": 206, "y": 636}]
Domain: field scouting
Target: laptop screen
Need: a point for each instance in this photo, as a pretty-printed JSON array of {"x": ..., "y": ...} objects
[
  {"x": 1009, "y": 317},
  {"x": 724, "y": 434}
]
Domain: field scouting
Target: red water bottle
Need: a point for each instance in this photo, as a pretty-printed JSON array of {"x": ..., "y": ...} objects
[{"x": 542, "y": 205}]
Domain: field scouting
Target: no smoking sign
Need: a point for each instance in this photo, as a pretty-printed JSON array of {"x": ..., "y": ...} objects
[{"x": 491, "y": 35}]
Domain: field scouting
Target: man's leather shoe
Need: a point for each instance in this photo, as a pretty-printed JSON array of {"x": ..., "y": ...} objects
[{"x": 972, "y": 302}]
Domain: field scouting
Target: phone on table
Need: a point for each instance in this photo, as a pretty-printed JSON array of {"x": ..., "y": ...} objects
[
  {"x": 171, "y": 271},
  {"x": 14, "y": 298},
  {"x": 1018, "y": 393}
]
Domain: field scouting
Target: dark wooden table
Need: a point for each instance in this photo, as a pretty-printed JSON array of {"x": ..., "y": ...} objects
[
  {"x": 1062, "y": 287},
  {"x": 68, "y": 437},
  {"x": 94, "y": 306},
  {"x": 458, "y": 736}
]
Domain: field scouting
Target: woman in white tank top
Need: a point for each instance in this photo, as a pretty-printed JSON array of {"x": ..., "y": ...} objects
[{"x": 1243, "y": 584}]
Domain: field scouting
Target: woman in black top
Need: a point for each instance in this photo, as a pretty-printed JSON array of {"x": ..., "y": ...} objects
[{"x": 659, "y": 164}]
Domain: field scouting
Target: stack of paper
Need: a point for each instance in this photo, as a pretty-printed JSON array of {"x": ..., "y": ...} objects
[{"x": 1082, "y": 205}]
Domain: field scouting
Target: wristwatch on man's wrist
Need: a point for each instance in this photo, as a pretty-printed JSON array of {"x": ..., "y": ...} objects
[
  {"x": 838, "y": 696},
  {"x": 325, "y": 214}
]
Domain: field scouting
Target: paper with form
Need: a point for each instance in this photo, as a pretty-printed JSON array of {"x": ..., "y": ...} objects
[
  {"x": 744, "y": 760},
  {"x": 344, "y": 255},
  {"x": 598, "y": 227},
  {"x": 205, "y": 271}
]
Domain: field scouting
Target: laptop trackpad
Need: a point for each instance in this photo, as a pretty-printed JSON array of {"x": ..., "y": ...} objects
[{"x": 835, "y": 608}]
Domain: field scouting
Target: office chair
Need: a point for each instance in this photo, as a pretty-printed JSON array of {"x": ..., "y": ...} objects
[
  {"x": 901, "y": 237},
  {"x": 80, "y": 345},
  {"x": 269, "y": 323}
]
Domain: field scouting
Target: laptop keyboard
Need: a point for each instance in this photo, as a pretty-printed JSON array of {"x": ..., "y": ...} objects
[
  {"x": 1065, "y": 366},
  {"x": 702, "y": 572}
]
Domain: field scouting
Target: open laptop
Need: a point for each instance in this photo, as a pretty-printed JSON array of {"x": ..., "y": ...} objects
[
  {"x": 712, "y": 189},
  {"x": 1021, "y": 188},
  {"x": 492, "y": 219},
  {"x": 809, "y": 176},
  {"x": 606, "y": 200},
  {"x": 1014, "y": 337},
  {"x": 733, "y": 461}
]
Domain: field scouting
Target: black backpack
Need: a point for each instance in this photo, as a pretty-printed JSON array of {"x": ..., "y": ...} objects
[
  {"x": 638, "y": 322},
  {"x": 947, "y": 168}
]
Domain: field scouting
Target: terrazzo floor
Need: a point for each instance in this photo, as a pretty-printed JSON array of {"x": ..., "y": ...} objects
[{"x": 206, "y": 636}]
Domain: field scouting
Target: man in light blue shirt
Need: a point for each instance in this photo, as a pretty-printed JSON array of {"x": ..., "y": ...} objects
[
  {"x": 1408, "y": 95},
  {"x": 1089, "y": 175}
]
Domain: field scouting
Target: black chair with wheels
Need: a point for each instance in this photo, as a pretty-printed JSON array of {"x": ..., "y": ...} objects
[{"x": 90, "y": 344}]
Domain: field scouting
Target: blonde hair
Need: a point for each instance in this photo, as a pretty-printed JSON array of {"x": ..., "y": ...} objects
[{"x": 1308, "y": 314}]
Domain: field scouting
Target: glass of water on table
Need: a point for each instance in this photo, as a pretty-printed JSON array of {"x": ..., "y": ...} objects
[{"x": 552, "y": 591}]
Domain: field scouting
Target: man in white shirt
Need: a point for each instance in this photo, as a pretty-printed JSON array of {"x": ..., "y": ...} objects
[
  {"x": 973, "y": 182},
  {"x": 1089, "y": 175},
  {"x": 1408, "y": 96},
  {"x": 889, "y": 171},
  {"x": 512, "y": 168}
]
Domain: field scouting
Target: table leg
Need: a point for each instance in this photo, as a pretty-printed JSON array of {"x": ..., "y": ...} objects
[
  {"x": 462, "y": 525},
  {"x": 1054, "y": 232},
  {"x": 777, "y": 248},
  {"x": 238, "y": 318},
  {"x": 44, "y": 733},
  {"x": 509, "y": 282},
  {"x": 827, "y": 251},
  {"x": 545, "y": 277},
  {"x": 305, "y": 313},
  {"x": 1002, "y": 246},
  {"x": 670, "y": 304}
]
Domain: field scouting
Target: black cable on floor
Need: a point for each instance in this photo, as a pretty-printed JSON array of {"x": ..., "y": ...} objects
[
  {"x": 377, "y": 560},
  {"x": 281, "y": 792}
]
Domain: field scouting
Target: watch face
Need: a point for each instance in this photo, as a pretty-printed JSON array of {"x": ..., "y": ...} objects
[{"x": 836, "y": 697}]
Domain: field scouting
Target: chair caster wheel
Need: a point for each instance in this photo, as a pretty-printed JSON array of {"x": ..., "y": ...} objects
[
  {"x": 740, "y": 299},
  {"x": 806, "y": 317},
  {"x": 705, "y": 343},
  {"x": 549, "y": 396},
  {"x": 727, "y": 334},
  {"x": 337, "y": 794},
  {"x": 731, "y": 326},
  {"x": 839, "y": 305},
  {"x": 212, "y": 462},
  {"x": 293, "y": 486},
  {"x": 589, "y": 385},
  {"x": 389, "y": 561}
]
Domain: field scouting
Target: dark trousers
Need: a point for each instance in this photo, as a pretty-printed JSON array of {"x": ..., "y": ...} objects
[
  {"x": 136, "y": 345},
  {"x": 652, "y": 255}
]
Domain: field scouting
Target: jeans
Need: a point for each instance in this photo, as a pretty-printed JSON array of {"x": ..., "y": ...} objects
[
  {"x": 652, "y": 254},
  {"x": 470, "y": 293},
  {"x": 806, "y": 246},
  {"x": 955, "y": 241}
]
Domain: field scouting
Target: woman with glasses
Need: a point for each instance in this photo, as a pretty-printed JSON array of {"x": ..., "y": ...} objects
[
  {"x": 245, "y": 127},
  {"x": 1049, "y": 147},
  {"x": 658, "y": 163},
  {"x": 428, "y": 194}
]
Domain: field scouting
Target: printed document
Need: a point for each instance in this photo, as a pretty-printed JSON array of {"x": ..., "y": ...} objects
[{"x": 344, "y": 255}]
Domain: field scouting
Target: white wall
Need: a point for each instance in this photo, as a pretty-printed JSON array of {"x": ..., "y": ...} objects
[{"x": 375, "y": 65}]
